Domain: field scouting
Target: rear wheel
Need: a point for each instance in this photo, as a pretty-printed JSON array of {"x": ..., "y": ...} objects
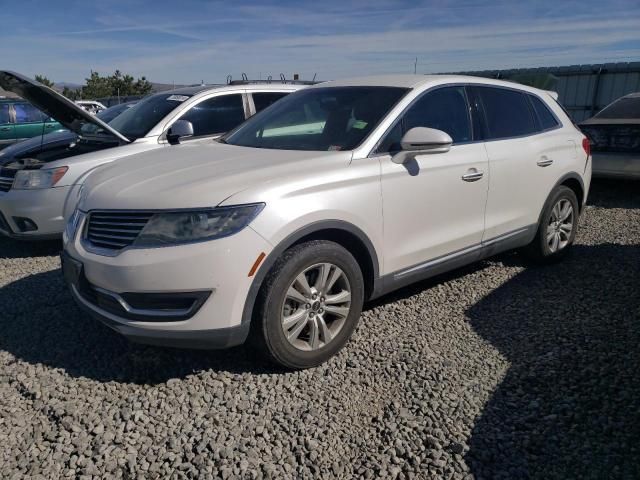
[
  {"x": 557, "y": 228},
  {"x": 309, "y": 304}
]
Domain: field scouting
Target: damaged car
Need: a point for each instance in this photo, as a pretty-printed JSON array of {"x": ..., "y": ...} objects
[
  {"x": 614, "y": 133},
  {"x": 34, "y": 186}
]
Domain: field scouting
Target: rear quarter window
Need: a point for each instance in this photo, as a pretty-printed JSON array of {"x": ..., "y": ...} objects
[
  {"x": 546, "y": 119},
  {"x": 507, "y": 112}
]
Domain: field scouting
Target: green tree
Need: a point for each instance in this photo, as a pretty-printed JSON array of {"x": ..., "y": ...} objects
[
  {"x": 96, "y": 87},
  {"x": 44, "y": 81},
  {"x": 71, "y": 93},
  {"x": 114, "y": 85}
]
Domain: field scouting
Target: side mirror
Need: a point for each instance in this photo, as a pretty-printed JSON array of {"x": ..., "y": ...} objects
[
  {"x": 422, "y": 140},
  {"x": 180, "y": 129}
]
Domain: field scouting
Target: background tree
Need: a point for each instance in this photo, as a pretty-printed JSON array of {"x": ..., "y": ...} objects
[
  {"x": 44, "y": 80},
  {"x": 114, "y": 85}
]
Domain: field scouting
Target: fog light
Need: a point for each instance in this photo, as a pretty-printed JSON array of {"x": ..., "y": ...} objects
[{"x": 25, "y": 224}]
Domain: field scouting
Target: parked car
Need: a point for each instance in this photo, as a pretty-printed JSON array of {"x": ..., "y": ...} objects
[
  {"x": 614, "y": 133},
  {"x": 91, "y": 106},
  {"x": 33, "y": 190},
  {"x": 19, "y": 120},
  {"x": 56, "y": 142},
  {"x": 336, "y": 194}
]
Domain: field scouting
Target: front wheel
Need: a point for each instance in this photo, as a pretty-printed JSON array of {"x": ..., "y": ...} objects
[
  {"x": 557, "y": 228},
  {"x": 309, "y": 304}
]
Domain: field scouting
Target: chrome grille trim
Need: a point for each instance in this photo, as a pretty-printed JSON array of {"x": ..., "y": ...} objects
[
  {"x": 115, "y": 230},
  {"x": 5, "y": 184}
]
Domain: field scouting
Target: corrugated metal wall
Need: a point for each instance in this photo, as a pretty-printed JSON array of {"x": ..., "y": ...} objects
[{"x": 582, "y": 89}]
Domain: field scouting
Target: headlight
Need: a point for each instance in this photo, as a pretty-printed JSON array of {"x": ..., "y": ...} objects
[
  {"x": 173, "y": 228},
  {"x": 72, "y": 224},
  {"x": 43, "y": 178}
]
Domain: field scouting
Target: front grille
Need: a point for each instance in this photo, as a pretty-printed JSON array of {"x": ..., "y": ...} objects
[
  {"x": 115, "y": 230},
  {"x": 7, "y": 176}
]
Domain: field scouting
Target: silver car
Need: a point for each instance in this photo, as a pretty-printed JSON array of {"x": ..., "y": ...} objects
[{"x": 33, "y": 189}]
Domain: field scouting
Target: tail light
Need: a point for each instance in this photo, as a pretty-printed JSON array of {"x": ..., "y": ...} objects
[{"x": 586, "y": 146}]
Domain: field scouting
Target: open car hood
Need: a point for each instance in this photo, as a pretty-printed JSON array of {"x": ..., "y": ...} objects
[{"x": 70, "y": 115}]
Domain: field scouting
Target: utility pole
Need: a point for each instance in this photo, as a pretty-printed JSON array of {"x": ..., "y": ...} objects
[{"x": 415, "y": 66}]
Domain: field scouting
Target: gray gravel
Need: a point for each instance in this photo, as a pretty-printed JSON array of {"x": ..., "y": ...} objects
[{"x": 500, "y": 370}]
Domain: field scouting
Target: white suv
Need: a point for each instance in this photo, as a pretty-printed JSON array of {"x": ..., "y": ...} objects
[{"x": 335, "y": 195}]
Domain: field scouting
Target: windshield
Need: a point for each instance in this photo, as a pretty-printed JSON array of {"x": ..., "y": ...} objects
[
  {"x": 330, "y": 118},
  {"x": 137, "y": 121},
  {"x": 112, "y": 112},
  {"x": 623, "y": 108}
]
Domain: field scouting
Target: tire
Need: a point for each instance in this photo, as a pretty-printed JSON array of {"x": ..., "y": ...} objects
[
  {"x": 299, "y": 335},
  {"x": 544, "y": 248}
]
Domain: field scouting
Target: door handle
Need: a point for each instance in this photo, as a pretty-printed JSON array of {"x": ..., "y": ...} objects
[
  {"x": 544, "y": 161},
  {"x": 472, "y": 175},
  {"x": 5, "y": 129},
  {"x": 48, "y": 126}
]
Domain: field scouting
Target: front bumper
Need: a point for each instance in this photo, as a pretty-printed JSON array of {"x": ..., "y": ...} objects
[
  {"x": 616, "y": 165},
  {"x": 43, "y": 207},
  {"x": 220, "y": 267}
]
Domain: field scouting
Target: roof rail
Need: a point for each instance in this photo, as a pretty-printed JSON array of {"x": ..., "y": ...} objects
[{"x": 283, "y": 80}]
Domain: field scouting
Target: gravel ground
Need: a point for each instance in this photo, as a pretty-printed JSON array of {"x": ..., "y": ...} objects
[{"x": 499, "y": 370}]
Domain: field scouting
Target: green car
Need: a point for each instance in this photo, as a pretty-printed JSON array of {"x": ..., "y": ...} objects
[{"x": 20, "y": 120}]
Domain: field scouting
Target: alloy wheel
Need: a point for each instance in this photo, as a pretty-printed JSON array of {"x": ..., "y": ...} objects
[
  {"x": 560, "y": 225},
  {"x": 316, "y": 306}
]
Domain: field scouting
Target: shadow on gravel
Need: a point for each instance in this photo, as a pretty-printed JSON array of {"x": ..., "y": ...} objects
[
  {"x": 41, "y": 248},
  {"x": 569, "y": 405},
  {"x": 606, "y": 193},
  {"x": 40, "y": 323}
]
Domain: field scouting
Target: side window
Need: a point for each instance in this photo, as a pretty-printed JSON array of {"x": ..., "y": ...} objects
[
  {"x": 216, "y": 115},
  {"x": 27, "y": 113},
  {"x": 264, "y": 99},
  {"x": 4, "y": 113},
  {"x": 507, "y": 112},
  {"x": 444, "y": 109},
  {"x": 546, "y": 120}
]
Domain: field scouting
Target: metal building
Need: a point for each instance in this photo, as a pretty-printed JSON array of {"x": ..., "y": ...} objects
[{"x": 583, "y": 89}]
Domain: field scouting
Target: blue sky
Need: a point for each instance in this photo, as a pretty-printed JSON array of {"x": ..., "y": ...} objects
[{"x": 186, "y": 41}]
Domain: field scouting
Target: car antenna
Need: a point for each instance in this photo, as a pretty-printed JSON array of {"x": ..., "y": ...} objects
[
  {"x": 229, "y": 78},
  {"x": 244, "y": 77}
]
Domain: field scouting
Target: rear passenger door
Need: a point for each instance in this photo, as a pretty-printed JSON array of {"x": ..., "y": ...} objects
[
  {"x": 523, "y": 160},
  {"x": 7, "y": 130},
  {"x": 216, "y": 115}
]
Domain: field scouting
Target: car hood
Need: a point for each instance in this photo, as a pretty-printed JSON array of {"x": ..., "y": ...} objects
[
  {"x": 53, "y": 104},
  {"x": 35, "y": 143},
  {"x": 194, "y": 176}
]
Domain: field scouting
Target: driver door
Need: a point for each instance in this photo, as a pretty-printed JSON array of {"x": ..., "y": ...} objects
[{"x": 433, "y": 210}]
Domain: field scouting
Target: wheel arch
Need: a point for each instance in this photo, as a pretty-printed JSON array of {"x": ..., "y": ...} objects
[
  {"x": 352, "y": 238},
  {"x": 573, "y": 181}
]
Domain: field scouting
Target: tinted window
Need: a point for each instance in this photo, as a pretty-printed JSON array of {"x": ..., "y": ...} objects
[
  {"x": 112, "y": 112},
  {"x": 623, "y": 108},
  {"x": 27, "y": 113},
  {"x": 4, "y": 113},
  {"x": 507, "y": 112},
  {"x": 329, "y": 118},
  {"x": 137, "y": 121},
  {"x": 546, "y": 119},
  {"x": 444, "y": 109},
  {"x": 263, "y": 100},
  {"x": 216, "y": 115}
]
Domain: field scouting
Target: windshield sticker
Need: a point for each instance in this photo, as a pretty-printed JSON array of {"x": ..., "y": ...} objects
[
  {"x": 178, "y": 98},
  {"x": 334, "y": 148},
  {"x": 359, "y": 124}
]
